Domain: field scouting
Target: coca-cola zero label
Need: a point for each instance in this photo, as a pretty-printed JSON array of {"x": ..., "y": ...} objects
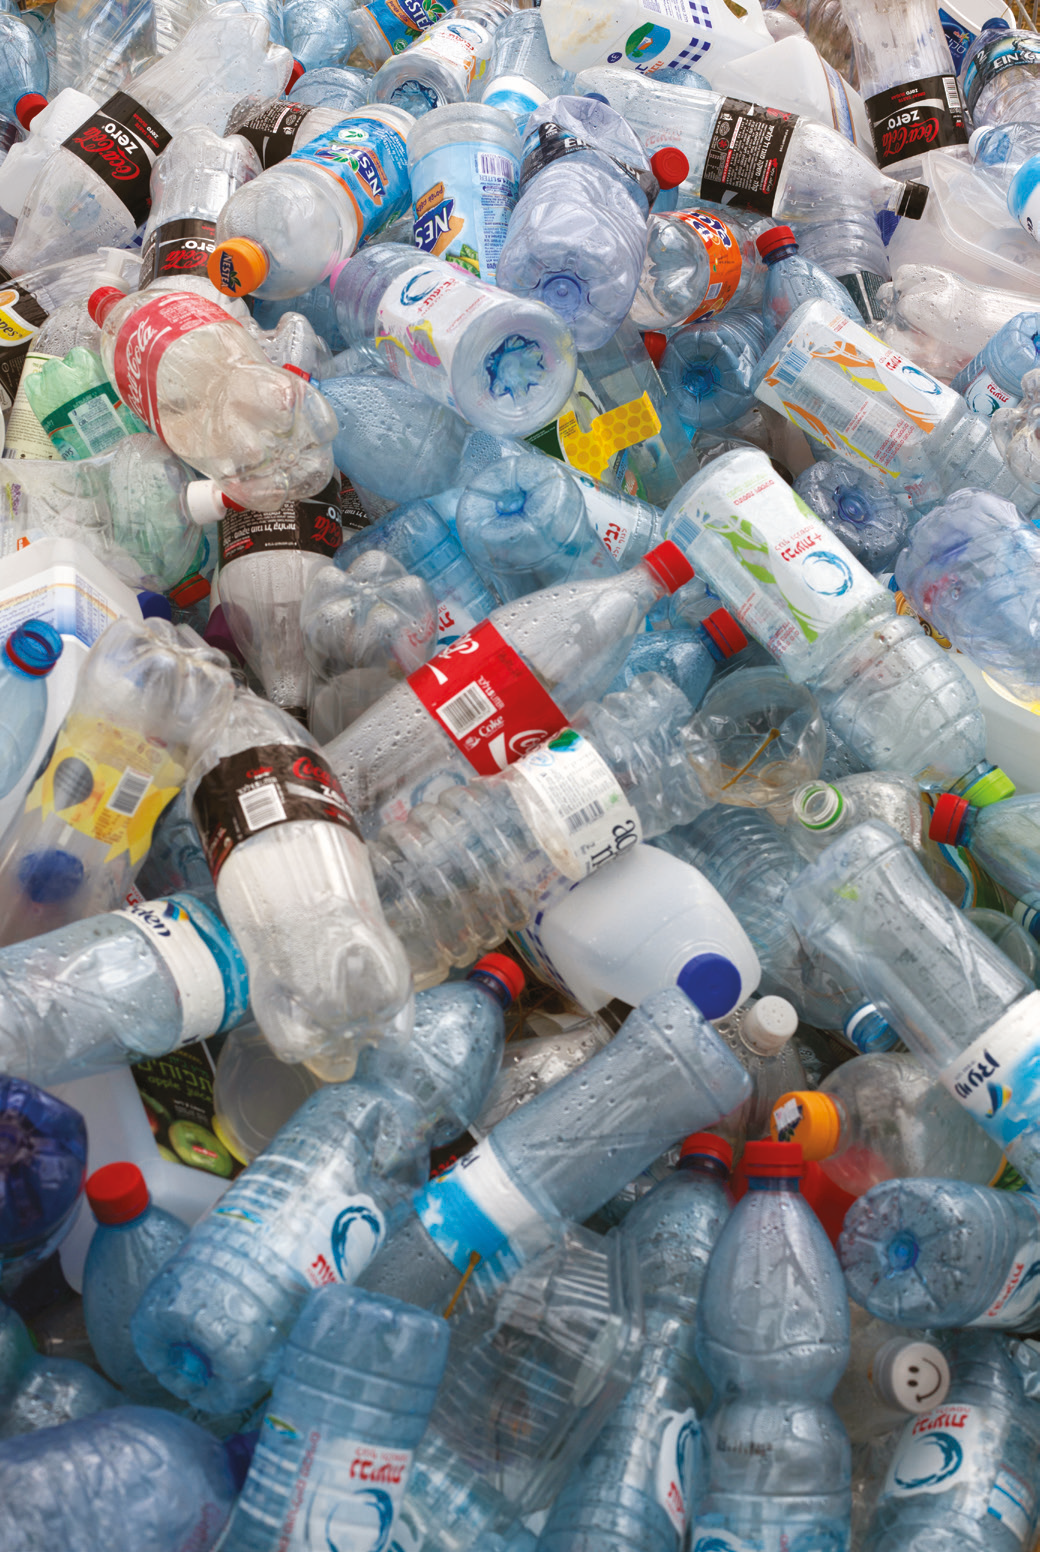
[
  {"x": 119, "y": 143},
  {"x": 177, "y": 248},
  {"x": 312, "y": 525},
  {"x": 916, "y": 117},
  {"x": 746, "y": 154}
]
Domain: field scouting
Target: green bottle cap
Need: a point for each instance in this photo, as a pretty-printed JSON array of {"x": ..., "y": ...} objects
[{"x": 991, "y": 788}]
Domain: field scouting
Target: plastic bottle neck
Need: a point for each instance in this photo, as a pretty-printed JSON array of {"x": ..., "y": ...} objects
[
  {"x": 787, "y": 252},
  {"x": 703, "y": 1164},
  {"x": 492, "y": 985},
  {"x": 776, "y": 1183}
]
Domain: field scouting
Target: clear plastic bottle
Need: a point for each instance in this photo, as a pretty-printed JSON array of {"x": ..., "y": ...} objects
[
  {"x": 28, "y": 656},
  {"x": 38, "y": 1392},
  {"x": 191, "y": 183},
  {"x": 870, "y": 522},
  {"x": 773, "y": 1339},
  {"x": 332, "y": 86},
  {"x": 24, "y": 74},
  {"x": 351, "y": 1400},
  {"x": 550, "y": 1046},
  {"x": 72, "y": 399},
  {"x": 522, "y": 73},
  {"x": 697, "y": 264},
  {"x": 710, "y": 367},
  {"x": 444, "y": 63},
  {"x": 394, "y": 440},
  {"x": 1004, "y": 838},
  {"x": 999, "y": 76},
  {"x": 792, "y": 279},
  {"x": 761, "y": 1034},
  {"x": 43, "y": 1158},
  {"x": 464, "y": 165},
  {"x": 318, "y": 33},
  {"x": 383, "y": 30},
  {"x": 993, "y": 378},
  {"x": 908, "y": 80},
  {"x": 851, "y": 249}
]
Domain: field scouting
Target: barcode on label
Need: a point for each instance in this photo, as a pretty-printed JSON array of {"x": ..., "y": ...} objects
[
  {"x": 683, "y": 531},
  {"x": 131, "y": 789},
  {"x": 262, "y": 806},
  {"x": 98, "y": 424},
  {"x": 584, "y": 816},
  {"x": 953, "y": 96},
  {"x": 791, "y": 363},
  {"x": 465, "y": 711},
  {"x": 492, "y": 166}
]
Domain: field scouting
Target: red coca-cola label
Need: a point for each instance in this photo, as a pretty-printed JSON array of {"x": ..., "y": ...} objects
[
  {"x": 487, "y": 700},
  {"x": 144, "y": 338}
]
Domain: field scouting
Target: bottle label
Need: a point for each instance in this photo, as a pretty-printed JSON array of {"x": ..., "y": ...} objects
[
  {"x": 87, "y": 424},
  {"x": 271, "y": 131},
  {"x": 399, "y": 22},
  {"x": 473, "y": 1208},
  {"x": 468, "y": 190},
  {"x": 574, "y": 804},
  {"x": 109, "y": 783},
  {"x": 1003, "y": 53},
  {"x": 488, "y": 701},
  {"x": 311, "y": 526},
  {"x": 986, "y": 397},
  {"x": 674, "y": 1478},
  {"x": 514, "y": 94},
  {"x": 368, "y": 160},
  {"x": 746, "y": 155},
  {"x": 724, "y": 259},
  {"x": 177, "y": 248},
  {"x": 994, "y": 1079},
  {"x": 461, "y": 45},
  {"x": 849, "y": 390},
  {"x": 119, "y": 143},
  {"x": 713, "y": 1538},
  {"x": 420, "y": 320},
  {"x": 915, "y": 117},
  {"x": 144, "y": 338},
  {"x": 1016, "y": 1301},
  {"x": 548, "y": 141},
  {"x": 340, "y": 1239},
  {"x": 25, "y": 437},
  {"x": 345, "y": 1493},
  {"x": 256, "y": 789},
  {"x": 619, "y": 524},
  {"x": 20, "y": 317},
  {"x": 800, "y": 579},
  {"x": 863, "y": 287},
  {"x": 841, "y": 108},
  {"x": 958, "y": 36},
  {"x": 195, "y": 972},
  {"x": 937, "y": 1451}
]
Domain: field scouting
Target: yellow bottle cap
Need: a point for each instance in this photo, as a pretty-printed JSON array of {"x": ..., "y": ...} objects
[
  {"x": 237, "y": 266},
  {"x": 810, "y": 1118}
]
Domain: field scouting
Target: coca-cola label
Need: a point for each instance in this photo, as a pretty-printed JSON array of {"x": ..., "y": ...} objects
[
  {"x": 487, "y": 700},
  {"x": 916, "y": 117},
  {"x": 144, "y": 338},
  {"x": 746, "y": 154},
  {"x": 119, "y": 143},
  {"x": 177, "y": 248},
  {"x": 20, "y": 317},
  {"x": 257, "y": 789},
  {"x": 312, "y": 525},
  {"x": 271, "y": 130}
]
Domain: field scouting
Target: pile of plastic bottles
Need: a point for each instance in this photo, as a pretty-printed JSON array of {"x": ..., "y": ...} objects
[{"x": 519, "y": 637}]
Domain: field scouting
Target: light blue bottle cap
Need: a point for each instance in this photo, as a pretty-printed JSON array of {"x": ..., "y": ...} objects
[
  {"x": 33, "y": 649},
  {"x": 712, "y": 983}
]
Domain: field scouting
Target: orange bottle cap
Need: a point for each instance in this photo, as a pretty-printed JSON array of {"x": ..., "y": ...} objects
[
  {"x": 237, "y": 266},
  {"x": 808, "y": 1117}
]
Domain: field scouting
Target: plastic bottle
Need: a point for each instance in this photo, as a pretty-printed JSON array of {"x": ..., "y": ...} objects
[
  {"x": 98, "y": 44},
  {"x": 851, "y": 249},
  {"x": 993, "y": 378},
  {"x": 133, "y": 1239},
  {"x": 506, "y": 363},
  {"x": 697, "y": 264},
  {"x": 452, "y": 1506},
  {"x": 77, "y": 406},
  {"x": 577, "y": 238},
  {"x": 689, "y": 657},
  {"x": 464, "y": 165},
  {"x": 78, "y": 202},
  {"x": 318, "y": 34},
  {"x": 710, "y": 366},
  {"x": 394, "y": 440},
  {"x": 43, "y": 1157},
  {"x": 636, "y": 36},
  {"x": 442, "y": 65},
  {"x": 350, "y": 1403},
  {"x": 962, "y": 1008},
  {"x": 38, "y": 1392},
  {"x": 28, "y": 656},
  {"x": 565, "y": 1153},
  {"x": 637, "y": 1486},
  {"x": 908, "y": 80},
  {"x": 338, "y": 187},
  {"x": 315, "y": 1204},
  {"x": 522, "y": 73},
  {"x": 891, "y": 1372},
  {"x": 792, "y": 279},
  {"x": 969, "y": 567},
  {"x": 870, "y": 522},
  {"x": 276, "y": 126},
  {"x": 999, "y": 74},
  {"x": 167, "y": 1481},
  {"x": 383, "y": 30},
  {"x": 191, "y": 182},
  {"x": 1003, "y": 840},
  {"x": 550, "y": 1046},
  {"x": 25, "y": 75},
  {"x": 332, "y": 86},
  {"x": 537, "y": 661},
  {"x": 773, "y": 1339}
]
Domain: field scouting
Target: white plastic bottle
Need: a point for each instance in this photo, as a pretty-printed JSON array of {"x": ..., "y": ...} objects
[{"x": 640, "y": 35}]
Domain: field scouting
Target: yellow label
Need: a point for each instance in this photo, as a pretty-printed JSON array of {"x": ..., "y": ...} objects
[
  {"x": 610, "y": 433},
  {"x": 107, "y": 782},
  {"x": 12, "y": 328}
]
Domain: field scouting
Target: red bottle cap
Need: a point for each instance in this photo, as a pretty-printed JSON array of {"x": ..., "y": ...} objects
[
  {"x": 295, "y": 73},
  {"x": 32, "y": 103},
  {"x": 782, "y": 1159},
  {"x": 189, "y": 591},
  {"x": 725, "y": 632},
  {"x": 117, "y": 1193},
  {"x": 101, "y": 302},
  {"x": 670, "y": 167},
  {"x": 707, "y": 1142},
  {"x": 947, "y": 818},
  {"x": 656, "y": 344},
  {"x": 505, "y": 970},
  {"x": 776, "y": 237},
  {"x": 669, "y": 565}
]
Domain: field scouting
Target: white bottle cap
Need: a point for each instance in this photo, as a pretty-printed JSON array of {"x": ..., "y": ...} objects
[
  {"x": 204, "y": 501},
  {"x": 912, "y": 1375},
  {"x": 768, "y": 1025},
  {"x": 976, "y": 136}
]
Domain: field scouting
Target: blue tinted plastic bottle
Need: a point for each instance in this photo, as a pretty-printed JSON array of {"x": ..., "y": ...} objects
[
  {"x": 792, "y": 279},
  {"x": 773, "y": 1338},
  {"x": 43, "y": 1157},
  {"x": 353, "y": 1394},
  {"x": 866, "y": 517},
  {"x": 39, "y": 1392},
  {"x": 709, "y": 366},
  {"x": 688, "y": 657},
  {"x": 993, "y": 378},
  {"x": 28, "y": 656},
  {"x": 24, "y": 72}
]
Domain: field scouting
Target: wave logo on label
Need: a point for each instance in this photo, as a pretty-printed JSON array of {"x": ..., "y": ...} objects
[
  {"x": 923, "y": 1466},
  {"x": 345, "y": 1236},
  {"x": 827, "y": 573},
  {"x": 999, "y": 1096},
  {"x": 279, "y": 1426},
  {"x": 343, "y": 1538}
]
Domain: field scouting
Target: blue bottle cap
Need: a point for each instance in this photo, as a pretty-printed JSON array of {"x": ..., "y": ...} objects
[
  {"x": 50, "y": 876},
  {"x": 155, "y": 606},
  {"x": 33, "y": 648},
  {"x": 996, "y": 23},
  {"x": 712, "y": 983}
]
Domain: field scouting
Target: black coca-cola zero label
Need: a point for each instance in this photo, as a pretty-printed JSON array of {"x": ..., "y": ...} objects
[
  {"x": 20, "y": 317},
  {"x": 312, "y": 525},
  {"x": 177, "y": 248},
  {"x": 259, "y": 788},
  {"x": 915, "y": 117},
  {"x": 746, "y": 153},
  {"x": 352, "y": 514},
  {"x": 119, "y": 143},
  {"x": 272, "y": 129}
]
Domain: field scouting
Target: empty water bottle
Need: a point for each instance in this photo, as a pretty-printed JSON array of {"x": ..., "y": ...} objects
[
  {"x": 1004, "y": 838},
  {"x": 710, "y": 366},
  {"x": 993, "y": 378},
  {"x": 522, "y": 73},
  {"x": 867, "y": 518},
  {"x": 38, "y": 1392},
  {"x": 441, "y": 66},
  {"x": 43, "y": 1157}
]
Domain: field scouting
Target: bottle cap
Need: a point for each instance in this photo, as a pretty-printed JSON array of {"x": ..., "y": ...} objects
[
  {"x": 47, "y": 877},
  {"x": 781, "y": 1159},
  {"x": 995, "y": 23},
  {"x": 117, "y": 1193},
  {"x": 237, "y": 266},
  {"x": 204, "y": 501},
  {"x": 947, "y": 818},
  {"x": 808, "y": 1117},
  {"x": 504, "y": 970},
  {"x": 298, "y": 69},
  {"x": 868, "y": 1031},
  {"x": 818, "y": 805},
  {"x": 724, "y": 632},
  {"x": 28, "y": 106},
  {"x": 712, "y": 983},
  {"x": 190, "y": 590},
  {"x": 101, "y": 302},
  {"x": 33, "y": 648},
  {"x": 993, "y": 787},
  {"x": 708, "y": 1143},
  {"x": 915, "y": 197},
  {"x": 669, "y": 565},
  {"x": 776, "y": 237},
  {"x": 656, "y": 344},
  {"x": 912, "y": 1375},
  {"x": 768, "y": 1025},
  {"x": 154, "y": 606},
  {"x": 670, "y": 167},
  {"x": 976, "y": 135}
]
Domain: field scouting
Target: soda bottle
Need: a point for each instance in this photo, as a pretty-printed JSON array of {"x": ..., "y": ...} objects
[
  {"x": 191, "y": 182},
  {"x": 698, "y": 262},
  {"x": 908, "y": 81}
]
